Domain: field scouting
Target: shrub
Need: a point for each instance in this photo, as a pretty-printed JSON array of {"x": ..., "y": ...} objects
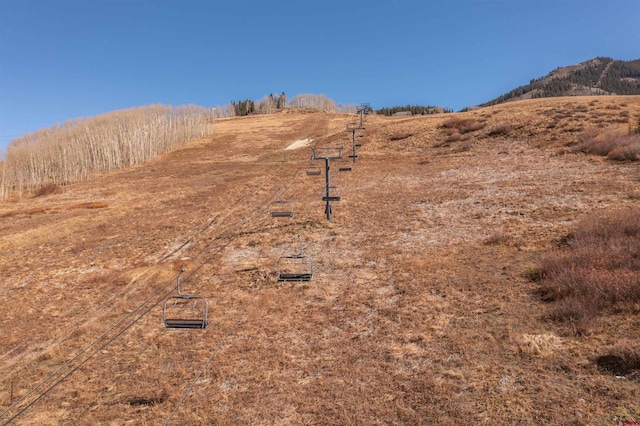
[
  {"x": 463, "y": 125},
  {"x": 48, "y": 189},
  {"x": 614, "y": 145},
  {"x": 600, "y": 147},
  {"x": 629, "y": 152},
  {"x": 622, "y": 358},
  {"x": 470, "y": 126},
  {"x": 454, "y": 137},
  {"x": 595, "y": 269},
  {"x": 500, "y": 129},
  {"x": 27, "y": 212},
  {"x": 90, "y": 205},
  {"x": 400, "y": 136},
  {"x": 463, "y": 147},
  {"x": 498, "y": 238},
  {"x": 452, "y": 122},
  {"x": 634, "y": 195}
]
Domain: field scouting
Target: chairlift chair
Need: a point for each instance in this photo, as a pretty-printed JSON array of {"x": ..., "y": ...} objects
[
  {"x": 334, "y": 194},
  {"x": 344, "y": 167},
  {"x": 295, "y": 267},
  {"x": 185, "y": 311},
  {"x": 281, "y": 208},
  {"x": 313, "y": 170}
]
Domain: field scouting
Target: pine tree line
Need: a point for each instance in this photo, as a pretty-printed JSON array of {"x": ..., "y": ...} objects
[
  {"x": 413, "y": 109},
  {"x": 242, "y": 108},
  {"x": 599, "y": 75},
  {"x": 623, "y": 78},
  {"x": 267, "y": 105}
]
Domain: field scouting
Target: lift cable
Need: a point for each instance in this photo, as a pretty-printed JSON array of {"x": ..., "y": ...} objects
[
  {"x": 145, "y": 312},
  {"x": 233, "y": 326},
  {"x": 206, "y": 365},
  {"x": 121, "y": 321},
  {"x": 111, "y": 329}
]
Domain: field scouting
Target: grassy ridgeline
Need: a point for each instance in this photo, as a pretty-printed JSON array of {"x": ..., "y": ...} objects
[{"x": 71, "y": 152}]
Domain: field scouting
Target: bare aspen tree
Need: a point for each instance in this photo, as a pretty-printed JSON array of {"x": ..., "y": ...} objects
[
  {"x": 267, "y": 105},
  {"x": 72, "y": 151},
  {"x": 347, "y": 109},
  {"x": 221, "y": 111},
  {"x": 313, "y": 101},
  {"x": 3, "y": 179}
]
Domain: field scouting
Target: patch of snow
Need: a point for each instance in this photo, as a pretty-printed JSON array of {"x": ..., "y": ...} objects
[{"x": 300, "y": 143}]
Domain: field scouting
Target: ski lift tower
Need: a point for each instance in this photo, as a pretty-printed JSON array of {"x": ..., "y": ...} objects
[
  {"x": 364, "y": 109},
  {"x": 353, "y": 141},
  {"x": 328, "y": 154}
]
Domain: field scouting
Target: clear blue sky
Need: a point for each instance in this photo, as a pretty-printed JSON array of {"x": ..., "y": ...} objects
[{"x": 63, "y": 59}]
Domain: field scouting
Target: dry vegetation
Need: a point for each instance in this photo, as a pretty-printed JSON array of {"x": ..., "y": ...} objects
[
  {"x": 595, "y": 270},
  {"x": 421, "y": 311},
  {"x": 615, "y": 145}
]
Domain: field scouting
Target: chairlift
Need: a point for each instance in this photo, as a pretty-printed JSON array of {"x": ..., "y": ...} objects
[
  {"x": 334, "y": 194},
  {"x": 344, "y": 167},
  {"x": 295, "y": 267},
  {"x": 313, "y": 170},
  {"x": 281, "y": 208},
  {"x": 185, "y": 311}
]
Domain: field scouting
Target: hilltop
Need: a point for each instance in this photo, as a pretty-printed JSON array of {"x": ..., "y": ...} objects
[
  {"x": 423, "y": 308},
  {"x": 598, "y": 76}
]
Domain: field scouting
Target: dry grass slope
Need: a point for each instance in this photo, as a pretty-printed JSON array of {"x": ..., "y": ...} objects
[{"x": 420, "y": 311}]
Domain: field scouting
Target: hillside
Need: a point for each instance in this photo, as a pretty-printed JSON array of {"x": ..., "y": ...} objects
[
  {"x": 599, "y": 76},
  {"x": 421, "y": 309}
]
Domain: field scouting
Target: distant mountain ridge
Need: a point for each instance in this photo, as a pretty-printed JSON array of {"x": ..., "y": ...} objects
[{"x": 598, "y": 76}]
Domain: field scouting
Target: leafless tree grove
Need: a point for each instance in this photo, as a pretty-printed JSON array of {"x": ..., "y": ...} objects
[
  {"x": 313, "y": 101},
  {"x": 270, "y": 104},
  {"x": 71, "y": 152}
]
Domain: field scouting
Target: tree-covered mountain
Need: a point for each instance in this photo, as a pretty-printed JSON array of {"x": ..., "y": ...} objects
[{"x": 599, "y": 76}]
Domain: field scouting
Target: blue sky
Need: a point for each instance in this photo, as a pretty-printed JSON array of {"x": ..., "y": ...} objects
[{"x": 63, "y": 59}]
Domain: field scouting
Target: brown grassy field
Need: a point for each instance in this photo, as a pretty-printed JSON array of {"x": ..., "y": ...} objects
[{"x": 421, "y": 309}]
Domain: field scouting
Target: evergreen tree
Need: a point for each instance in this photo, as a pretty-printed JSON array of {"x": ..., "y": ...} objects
[{"x": 282, "y": 101}]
